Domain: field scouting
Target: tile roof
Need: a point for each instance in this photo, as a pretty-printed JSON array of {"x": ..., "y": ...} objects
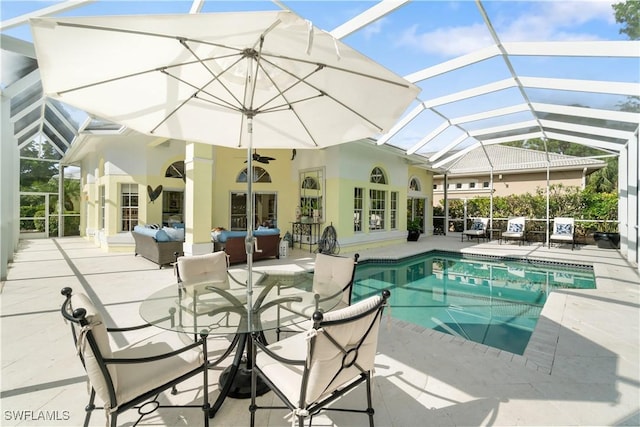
[{"x": 505, "y": 158}]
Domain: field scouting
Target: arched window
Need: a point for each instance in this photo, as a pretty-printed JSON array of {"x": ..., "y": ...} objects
[
  {"x": 310, "y": 183},
  {"x": 414, "y": 185},
  {"x": 259, "y": 175},
  {"x": 377, "y": 176},
  {"x": 175, "y": 170}
]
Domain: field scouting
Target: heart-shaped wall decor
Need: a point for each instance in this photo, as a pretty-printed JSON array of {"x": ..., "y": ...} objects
[{"x": 154, "y": 194}]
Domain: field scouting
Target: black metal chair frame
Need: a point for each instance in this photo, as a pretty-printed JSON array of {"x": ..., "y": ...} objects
[
  {"x": 77, "y": 317},
  {"x": 347, "y": 287},
  {"x": 349, "y": 360}
]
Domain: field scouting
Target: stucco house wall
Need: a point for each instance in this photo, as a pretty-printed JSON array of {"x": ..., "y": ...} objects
[
  {"x": 212, "y": 176},
  {"x": 504, "y": 184}
]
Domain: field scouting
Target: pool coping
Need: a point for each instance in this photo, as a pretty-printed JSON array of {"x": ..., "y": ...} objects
[{"x": 540, "y": 352}]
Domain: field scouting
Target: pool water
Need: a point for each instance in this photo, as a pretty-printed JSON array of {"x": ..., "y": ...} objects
[{"x": 490, "y": 300}]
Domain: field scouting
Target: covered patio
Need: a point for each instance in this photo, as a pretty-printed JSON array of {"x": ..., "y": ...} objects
[
  {"x": 581, "y": 367},
  {"x": 534, "y": 77}
]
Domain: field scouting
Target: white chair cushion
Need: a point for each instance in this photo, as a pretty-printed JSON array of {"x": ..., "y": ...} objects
[
  {"x": 326, "y": 360},
  {"x": 337, "y": 271},
  {"x": 208, "y": 267},
  {"x": 565, "y": 237},
  {"x": 137, "y": 378},
  {"x": 99, "y": 331}
]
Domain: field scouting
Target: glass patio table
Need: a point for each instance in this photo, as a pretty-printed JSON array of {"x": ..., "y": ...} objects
[{"x": 278, "y": 299}]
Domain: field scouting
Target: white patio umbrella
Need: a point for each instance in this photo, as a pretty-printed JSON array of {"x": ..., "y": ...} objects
[{"x": 219, "y": 79}]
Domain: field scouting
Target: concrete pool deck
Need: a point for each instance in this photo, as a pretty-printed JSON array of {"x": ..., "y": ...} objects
[{"x": 581, "y": 367}]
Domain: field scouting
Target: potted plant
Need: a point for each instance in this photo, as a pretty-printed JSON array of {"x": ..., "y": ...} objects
[
  {"x": 604, "y": 207},
  {"x": 414, "y": 226},
  {"x": 607, "y": 237}
]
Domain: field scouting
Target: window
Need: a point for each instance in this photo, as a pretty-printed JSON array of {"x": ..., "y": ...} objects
[
  {"x": 377, "y": 176},
  {"x": 358, "y": 203},
  {"x": 435, "y": 186},
  {"x": 265, "y": 205},
  {"x": 414, "y": 185},
  {"x": 311, "y": 194},
  {"x": 101, "y": 206},
  {"x": 176, "y": 170},
  {"x": 472, "y": 185},
  {"x": 172, "y": 207},
  {"x": 259, "y": 175},
  {"x": 458, "y": 186},
  {"x": 393, "y": 210},
  {"x": 485, "y": 184},
  {"x": 310, "y": 183},
  {"x": 377, "y": 206},
  {"x": 129, "y": 206}
]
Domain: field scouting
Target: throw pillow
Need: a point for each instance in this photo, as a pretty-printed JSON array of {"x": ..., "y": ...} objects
[
  {"x": 515, "y": 228},
  {"x": 477, "y": 226},
  {"x": 563, "y": 228}
]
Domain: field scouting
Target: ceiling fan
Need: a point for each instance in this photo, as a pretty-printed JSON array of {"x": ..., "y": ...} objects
[{"x": 260, "y": 159}]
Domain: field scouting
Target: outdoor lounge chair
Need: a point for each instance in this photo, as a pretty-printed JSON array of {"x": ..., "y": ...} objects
[
  {"x": 310, "y": 370},
  {"x": 515, "y": 230},
  {"x": 478, "y": 229},
  {"x": 133, "y": 376},
  {"x": 563, "y": 231}
]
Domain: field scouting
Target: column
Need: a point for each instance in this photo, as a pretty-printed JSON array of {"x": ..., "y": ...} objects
[{"x": 198, "y": 198}]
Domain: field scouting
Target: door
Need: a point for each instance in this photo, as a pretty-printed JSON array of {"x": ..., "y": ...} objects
[{"x": 415, "y": 210}]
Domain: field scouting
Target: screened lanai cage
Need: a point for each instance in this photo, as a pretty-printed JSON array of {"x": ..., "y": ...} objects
[{"x": 556, "y": 81}]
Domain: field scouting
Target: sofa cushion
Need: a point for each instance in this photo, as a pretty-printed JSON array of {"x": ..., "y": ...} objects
[
  {"x": 174, "y": 234},
  {"x": 263, "y": 231},
  {"x": 221, "y": 236},
  {"x": 158, "y": 235}
]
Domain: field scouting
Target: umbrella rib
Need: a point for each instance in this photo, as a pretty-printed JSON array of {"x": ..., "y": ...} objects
[
  {"x": 216, "y": 77},
  {"x": 323, "y": 93},
  {"x": 223, "y": 103},
  {"x": 144, "y": 33},
  {"x": 345, "y": 70},
  {"x": 138, "y": 73}
]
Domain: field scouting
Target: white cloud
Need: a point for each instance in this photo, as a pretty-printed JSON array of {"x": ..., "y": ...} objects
[
  {"x": 373, "y": 29},
  {"x": 553, "y": 21},
  {"x": 543, "y": 21},
  {"x": 450, "y": 41}
]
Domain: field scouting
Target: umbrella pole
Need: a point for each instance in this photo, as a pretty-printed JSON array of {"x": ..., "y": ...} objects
[{"x": 249, "y": 239}]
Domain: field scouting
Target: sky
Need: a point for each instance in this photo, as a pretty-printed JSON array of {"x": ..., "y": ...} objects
[{"x": 421, "y": 34}]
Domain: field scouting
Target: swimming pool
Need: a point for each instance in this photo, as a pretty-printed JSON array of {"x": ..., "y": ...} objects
[{"x": 491, "y": 300}]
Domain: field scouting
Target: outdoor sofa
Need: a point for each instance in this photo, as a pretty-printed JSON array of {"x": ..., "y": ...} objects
[
  {"x": 232, "y": 242},
  {"x": 158, "y": 244}
]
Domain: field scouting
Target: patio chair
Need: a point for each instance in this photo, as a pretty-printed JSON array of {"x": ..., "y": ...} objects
[
  {"x": 330, "y": 272},
  {"x": 563, "y": 231},
  {"x": 515, "y": 230},
  {"x": 134, "y": 376},
  {"x": 310, "y": 370},
  {"x": 197, "y": 274},
  {"x": 478, "y": 229}
]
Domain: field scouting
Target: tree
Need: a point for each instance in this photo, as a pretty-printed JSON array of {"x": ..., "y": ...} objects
[
  {"x": 628, "y": 14},
  {"x": 36, "y": 169}
]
